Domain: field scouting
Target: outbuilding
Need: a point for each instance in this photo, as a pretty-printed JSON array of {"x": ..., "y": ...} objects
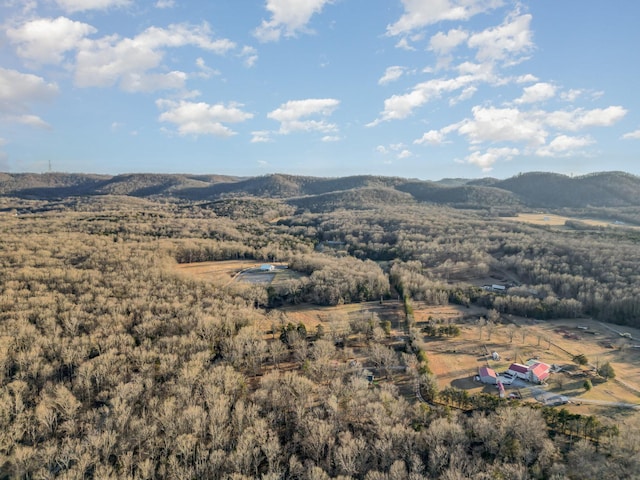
[
  {"x": 267, "y": 268},
  {"x": 487, "y": 375},
  {"x": 519, "y": 371},
  {"x": 539, "y": 372}
]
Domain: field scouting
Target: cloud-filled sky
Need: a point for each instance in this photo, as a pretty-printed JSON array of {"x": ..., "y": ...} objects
[{"x": 412, "y": 88}]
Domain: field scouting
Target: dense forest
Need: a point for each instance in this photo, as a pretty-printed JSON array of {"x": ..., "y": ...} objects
[{"x": 113, "y": 364}]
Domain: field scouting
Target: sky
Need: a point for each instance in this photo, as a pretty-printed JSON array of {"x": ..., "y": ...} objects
[{"x": 425, "y": 89}]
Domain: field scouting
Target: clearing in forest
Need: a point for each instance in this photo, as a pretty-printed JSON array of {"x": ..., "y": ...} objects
[{"x": 559, "y": 220}]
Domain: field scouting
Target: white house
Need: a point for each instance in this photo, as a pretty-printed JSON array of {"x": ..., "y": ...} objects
[{"x": 267, "y": 268}]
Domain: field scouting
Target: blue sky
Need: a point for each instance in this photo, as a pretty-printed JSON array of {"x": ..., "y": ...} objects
[{"x": 414, "y": 88}]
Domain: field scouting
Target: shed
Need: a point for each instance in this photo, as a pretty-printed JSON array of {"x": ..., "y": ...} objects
[
  {"x": 487, "y": 375},
  {"x": 267, "y": 267}
]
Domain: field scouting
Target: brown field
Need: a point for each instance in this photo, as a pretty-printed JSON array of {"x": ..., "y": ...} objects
[
  {"x": 230, "y": 270},
  {"x": 558, "y": 220},
  {"x": 455, "y": 361}
]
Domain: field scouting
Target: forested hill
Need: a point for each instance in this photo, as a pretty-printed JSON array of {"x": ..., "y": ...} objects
[{"x": 537, "y": 189}]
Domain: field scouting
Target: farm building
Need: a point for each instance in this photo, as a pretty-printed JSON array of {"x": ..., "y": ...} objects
[
  {"x": 519, "y": 371},
  {"x": 267, "y": 268},
  {"x": 539, "y": 372},
  {"x": 487, "y": 375}
]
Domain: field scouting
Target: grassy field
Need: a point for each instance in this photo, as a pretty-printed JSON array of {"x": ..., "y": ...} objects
[
  {"x": 559, "y": 220},
  {"x": 231, "y": 270}
]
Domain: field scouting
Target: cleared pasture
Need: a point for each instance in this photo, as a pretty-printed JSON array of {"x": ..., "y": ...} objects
[{"x": 559, "y": 220}]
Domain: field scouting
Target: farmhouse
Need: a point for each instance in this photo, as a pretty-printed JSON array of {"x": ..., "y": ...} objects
[
  {"x": 487, "y": 375},
  {"x": 519, "y": 371}
]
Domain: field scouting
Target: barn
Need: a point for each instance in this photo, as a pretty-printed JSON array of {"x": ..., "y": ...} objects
[
  {"x": 539, "y": 372},
  {"x": 487, "y": 375},
  {"x": 519, "y": 371}
]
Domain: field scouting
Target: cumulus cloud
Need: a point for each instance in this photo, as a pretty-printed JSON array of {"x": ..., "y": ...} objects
[
  {"x": 443, "y": 43},
  {"x": 564, "y": 145},
  {"x": 538, "y": 92},
  {"x": 46, "y": 40},
  {"x": 432, "y": 137},
  {"x": 391, "y": 74},
  {"x": 635, "y": 135},
  {"x": 126, "y": 61},
  {"x": 18, "y": 91},
  {"x": 401, "y": 106},
  {"x": 293, "y": 114},
  {"x": 418, "y": 13},
  {"x": 507, "y": 42},
  {"x": 490, "y": 124},
  {"x": 485, "y": 160},
  {"x": 199, "y": 118},
  {"x": 72, "y": 6},
  {"x": 404, "y": 154},
  {"x": 579, "y": 118},
  {"x": 287, "y": 18}
]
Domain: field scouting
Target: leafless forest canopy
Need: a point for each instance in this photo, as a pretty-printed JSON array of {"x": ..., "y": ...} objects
[{"x": 115, "y": 365}]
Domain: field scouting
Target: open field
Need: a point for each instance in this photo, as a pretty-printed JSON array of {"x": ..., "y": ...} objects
[
  {"x": 559, "y": 220},
  {"x": 230, "y": 270},
  {"x": 455, "y": 361}
]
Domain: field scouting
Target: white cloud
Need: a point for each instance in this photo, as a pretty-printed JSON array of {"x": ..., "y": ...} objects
[
  {"x": 261, "y": 136},
  {"x": 635, "y": 135},
  {"x": 564, "y": 145},
  {"x": 432, "y": 137},
  {"x": 443, "y": 43},
  {"x": 18, "y": 91},
  {"x": 291, "y": 115},
  {"x": 112, "y": 60},
  {"x": 404, "y": 154},
  {"x": 492, "y": 155},
  {"x": 165, "y": 4},
  {"x": 72, "y": 6},
  {"x": 506, "y": 42},
  {"x": 201, "y": 118},
  {"x": 580, "y": 118},
  {"x": 250, "y": 56},
  {"x": 526, "y": 78},
  {"x": 382, "y": 149},
  {"x": 45, "y": 40},
  {"x": 572, "y": 95},
  {"x": 391, "y": 74},
  {"x": 490, "y": 124},
  {"x": 288, "y": 17},
  {"x": 205, "y": 70},
  {"x": 401, "y": 106},
  {"x": 420, "y": 13},
  {"x": 331, "y": 138},
  {"x": 538, "y": 92}
]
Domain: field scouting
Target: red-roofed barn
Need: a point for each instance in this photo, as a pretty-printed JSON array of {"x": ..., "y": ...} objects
[{"x": 487, "y": 375}]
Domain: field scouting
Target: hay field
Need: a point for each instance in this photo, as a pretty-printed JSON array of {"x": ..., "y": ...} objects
[{"x": 559, "y": 220}]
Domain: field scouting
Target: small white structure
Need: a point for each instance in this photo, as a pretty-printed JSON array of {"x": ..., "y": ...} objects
[
  {"x": 487, "y": 375},
  {"x": 267, "y": 268},
  {"x": 498, "y": 288},
  {"x": 495, "y": 356}
]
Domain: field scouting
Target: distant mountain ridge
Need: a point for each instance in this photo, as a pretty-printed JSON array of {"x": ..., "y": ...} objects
[{"x": 534, "y": 189}]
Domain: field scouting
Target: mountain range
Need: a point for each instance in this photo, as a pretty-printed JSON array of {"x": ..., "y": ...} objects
[{"x": 526, "y": 190}]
